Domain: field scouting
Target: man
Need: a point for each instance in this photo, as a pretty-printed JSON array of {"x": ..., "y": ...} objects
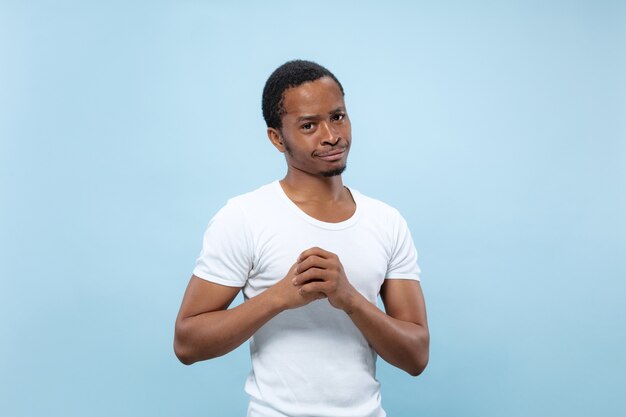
[{"x": 311, "y": 256}]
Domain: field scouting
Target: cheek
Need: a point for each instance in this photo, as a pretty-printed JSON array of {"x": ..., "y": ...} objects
[{"x": 347, "y": 132}]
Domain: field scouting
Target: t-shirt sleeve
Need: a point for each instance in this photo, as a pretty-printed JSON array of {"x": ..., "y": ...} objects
[
  {"x": 226, "y": 248},
  {"x": 403, "y": 262}
]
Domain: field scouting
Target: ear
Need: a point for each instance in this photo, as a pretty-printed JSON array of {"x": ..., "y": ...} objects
[{"x": 276, "y": 139}]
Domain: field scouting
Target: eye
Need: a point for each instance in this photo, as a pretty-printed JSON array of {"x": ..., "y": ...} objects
[
  {"x": 338, "y": 116},
  {"x": 307, "y": 126}
]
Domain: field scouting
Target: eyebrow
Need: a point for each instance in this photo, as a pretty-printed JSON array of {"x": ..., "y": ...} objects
[{"x": 316, "y": 116}]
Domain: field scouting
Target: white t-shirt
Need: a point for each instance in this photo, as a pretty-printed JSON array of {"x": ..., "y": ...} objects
[{"x": 309, "y": 361}]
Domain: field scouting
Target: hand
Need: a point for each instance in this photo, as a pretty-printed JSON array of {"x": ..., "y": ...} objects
[
  {"x": 290, "y": 296},
  {"x": 320, "y": 272}
]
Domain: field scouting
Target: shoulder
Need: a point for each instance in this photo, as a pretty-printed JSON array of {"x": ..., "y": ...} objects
[
  {"x": 237, "y": 218},
  {"x": 252, "y": 200},
  {"x": 375, "y": 207},
  {"x": 263, "y": 193}
]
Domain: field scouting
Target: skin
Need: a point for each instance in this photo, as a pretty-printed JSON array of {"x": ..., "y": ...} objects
[{"x": 315, "y": 137}]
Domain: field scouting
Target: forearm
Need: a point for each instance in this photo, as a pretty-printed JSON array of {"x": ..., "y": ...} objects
[
  {"x": 212, "y": 334},
  {"x": 401, "y": 343}
]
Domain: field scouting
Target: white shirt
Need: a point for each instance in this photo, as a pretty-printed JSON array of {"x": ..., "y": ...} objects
[{"x": 309, "y": 361}]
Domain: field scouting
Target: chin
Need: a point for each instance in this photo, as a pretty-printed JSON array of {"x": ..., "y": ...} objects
[{"x": 334, "y": 172}]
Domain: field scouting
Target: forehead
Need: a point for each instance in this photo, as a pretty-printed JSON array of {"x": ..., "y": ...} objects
[{"x": 313, "y": 97}]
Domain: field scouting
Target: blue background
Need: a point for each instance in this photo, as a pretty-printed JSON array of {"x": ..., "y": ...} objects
[{"x": 497, "y": 128}]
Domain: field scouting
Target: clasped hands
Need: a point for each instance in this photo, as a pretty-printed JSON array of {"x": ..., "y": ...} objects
[{"x": 317, "y": 274}]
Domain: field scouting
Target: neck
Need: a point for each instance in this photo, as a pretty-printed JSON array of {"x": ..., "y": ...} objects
[{"x": 301, "y": 186}]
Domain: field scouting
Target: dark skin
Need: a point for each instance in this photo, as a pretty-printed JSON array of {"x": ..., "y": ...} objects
[{"x": 315, "y": 137}]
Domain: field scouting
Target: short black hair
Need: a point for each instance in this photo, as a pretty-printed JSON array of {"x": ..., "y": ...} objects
[{"x": 290, "y": 74}]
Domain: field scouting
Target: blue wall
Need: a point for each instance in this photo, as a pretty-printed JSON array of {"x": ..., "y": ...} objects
[{"x": 497, "y": 128}]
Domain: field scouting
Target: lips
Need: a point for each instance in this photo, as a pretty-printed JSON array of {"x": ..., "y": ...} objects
[{"x": 332, "y": 155}]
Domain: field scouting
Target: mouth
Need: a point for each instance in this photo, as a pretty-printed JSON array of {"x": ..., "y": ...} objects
[{"x": 333, "y": 155}]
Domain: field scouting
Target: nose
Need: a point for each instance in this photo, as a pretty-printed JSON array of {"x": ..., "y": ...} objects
[{"x": 329, "y": 135}]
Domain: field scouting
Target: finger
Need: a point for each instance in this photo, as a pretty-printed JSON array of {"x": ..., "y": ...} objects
[
  {"x": 312, "y": 288},
  {"x": 313, "y": 261},
  {"x": 311, "y": 274},
  {"x": 315, "y": 251},
  {"x": 312, "y": 295}
]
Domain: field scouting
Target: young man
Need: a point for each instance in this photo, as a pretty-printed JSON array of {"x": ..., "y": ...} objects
[{"x": 311, "y": 256}]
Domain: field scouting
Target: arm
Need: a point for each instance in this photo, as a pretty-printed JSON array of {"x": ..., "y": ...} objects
[
  {"x": 206, "y": 328},
  {"x": 400, "y": 336}
]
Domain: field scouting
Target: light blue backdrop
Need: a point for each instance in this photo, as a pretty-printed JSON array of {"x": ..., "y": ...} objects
[{"x": 497, "y": 128}]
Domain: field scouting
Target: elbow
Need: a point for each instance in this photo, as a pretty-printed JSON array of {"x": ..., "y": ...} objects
[
  {"x": 418, "y": 367},
  {"x": 188, "y": 354},
  {"x": 420, "y": 359},
  {"x": 188, "y": 348},
  {"x": 183, "y": 354},
  {"x": 182, "y": 351},
  {"x": 182, "y": 346}
]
